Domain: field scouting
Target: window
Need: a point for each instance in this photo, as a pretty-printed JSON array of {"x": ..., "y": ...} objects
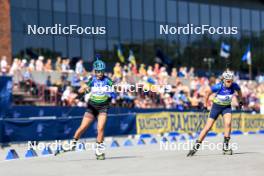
[
  {"x": 60, "y": 18},
  {"x": 59, "y": 5},
  {"x": 124, "y": 9},
  {"x": 172, "y": 12},
  {"x": 17, "y": 19},
  {"x": 17, "y": 42},
  {"x": 148, "y": 9},
  {"x": 125, "y": 32},
  {"x": 74, "y": 46},
  {"x": 205, "y": 15},
  {"x": 45, "y": 18},
  {"x": 215, "y": 16},
  {"x": 245, "y": 19},
  {"x": 136, "y": 9},
  {"x": 149, "y": 31},
  {"x": 183, "y": 12},
  {"x": 225, "y": 13},
  {"x": 137, "y": 27},
  {"x": 60, "y": 45},
  {"x": 112, "y": 8},
  {"x": 112, "y": 29},
  {"x": 194, "y": 13},
  {"x": 160, "y": 10},
  {"x": 87, "y": 49},
  {"x": 46, "y": 5},
  {"x": 86, "y": 7},
  {"x": 73, "y": 6},
  {"x": 262, "y": 21},
  {"x": 99, "y": 6},
  {"x": 256, "y": 18}
]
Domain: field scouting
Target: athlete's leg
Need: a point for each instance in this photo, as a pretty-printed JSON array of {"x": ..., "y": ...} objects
[
  {"x": 206, "y": 129},
  {"x": 227, "y": 130},
  {"x": 86, "y": 121},
  {"x": 100, "y": 147},
  {"x": 215, "y": 111},
  {"x": 227, "y": 124},
  {"x": 102, "y": 117}
]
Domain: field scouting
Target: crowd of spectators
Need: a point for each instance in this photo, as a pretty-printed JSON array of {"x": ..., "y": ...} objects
[{"x": 183, "y": 91}]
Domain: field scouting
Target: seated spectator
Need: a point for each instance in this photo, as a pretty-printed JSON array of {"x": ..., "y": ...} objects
[
  {"x": 68, "y": 97},
  {"x": 58, "y": 64}
]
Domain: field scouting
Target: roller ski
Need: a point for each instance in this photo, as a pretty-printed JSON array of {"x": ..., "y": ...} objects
[
  {"x": 195, "y": 148},
  {"x": 226, "y": 149},
  {"x": 61, "y": 150},
  {"x": 99, "y": 151}
]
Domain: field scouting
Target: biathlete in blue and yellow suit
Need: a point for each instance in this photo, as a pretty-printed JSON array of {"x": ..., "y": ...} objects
[
  {"x": 98, "y": 88},
  {"x": 221, "y": 105}
]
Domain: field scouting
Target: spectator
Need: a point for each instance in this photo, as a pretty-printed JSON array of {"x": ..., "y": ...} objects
[
  {"x": 65, "y": 67},
  {"x": 31, "y": 65},
  {"x": 79, "y": 69},
  {"x": 4, "y": 65},
  {"x": 48, "y": 66},
  {"x": 117, "y": 72},
  {"x": 58, "y": 64},
  {"x": 39, "y": 64},
  {"x": 150, "y": 71},
  {"x": 156, "y": 69}
]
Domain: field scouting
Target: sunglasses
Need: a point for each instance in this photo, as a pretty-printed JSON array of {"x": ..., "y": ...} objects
[{"x": 99, "y": 71}]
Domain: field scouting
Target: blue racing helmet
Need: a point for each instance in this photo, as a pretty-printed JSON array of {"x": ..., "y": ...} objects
[{"x": 98, "y": 65}]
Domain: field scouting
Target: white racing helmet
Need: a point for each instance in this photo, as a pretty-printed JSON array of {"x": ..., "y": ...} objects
[{"x": 228, "y": 75}]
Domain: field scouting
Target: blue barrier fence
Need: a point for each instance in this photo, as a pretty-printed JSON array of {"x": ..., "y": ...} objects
[{"x": 48, "y": 123}]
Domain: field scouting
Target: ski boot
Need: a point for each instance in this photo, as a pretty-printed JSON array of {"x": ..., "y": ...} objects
[
  {"x": 226, "y": 149},
  {"x": 99, "y": 151},
  {"x": 195, "y": 148}
]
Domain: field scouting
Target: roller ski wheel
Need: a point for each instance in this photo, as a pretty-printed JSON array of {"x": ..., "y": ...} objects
[
  {"x": 100, "y": 157},
  {"x": 191, "y": 153},
  {"x": 228, "y": 152}
]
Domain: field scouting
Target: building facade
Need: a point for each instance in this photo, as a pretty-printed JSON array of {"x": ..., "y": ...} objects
[{"x": 134, "y": 24}]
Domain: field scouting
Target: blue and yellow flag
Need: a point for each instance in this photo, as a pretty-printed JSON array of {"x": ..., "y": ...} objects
[{"x": 120, "y": 54}]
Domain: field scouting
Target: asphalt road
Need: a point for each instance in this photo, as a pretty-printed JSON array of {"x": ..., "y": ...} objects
[{"x": 145, "y": 160}]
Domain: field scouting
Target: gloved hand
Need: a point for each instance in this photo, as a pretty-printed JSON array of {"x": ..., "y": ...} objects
[
  {"x": 240, "y": 104},
  {"x": 204, "y": 109}
]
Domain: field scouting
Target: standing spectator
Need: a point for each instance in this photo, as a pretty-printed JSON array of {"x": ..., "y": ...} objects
[
  {"x": 39, "y": 64},
  {"x": 117, "y": 72},
  {"x": 15, "y": 66},
  {"x": 4, "y": 65},
  {"x": 23, "y": 64},
  {"x": 174, "y": 72},
  {"x": 58, "y": 64},
  {"x": 150, "y": 71},
  {"x": 48, "y": 66},
  {"x": 142, "y": 70},
  {"x": 79, "y": 69},
  {"x": 31, "y": 65},
  {"x": 65, "y": 67},
  {"x": 156, "y": 69}
]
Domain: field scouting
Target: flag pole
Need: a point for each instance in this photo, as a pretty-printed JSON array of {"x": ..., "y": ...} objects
[{"x": 250, "y": 71}]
